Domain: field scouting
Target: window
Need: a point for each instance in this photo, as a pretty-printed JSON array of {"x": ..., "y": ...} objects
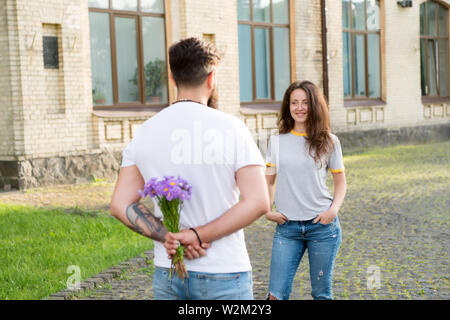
[
  {"x": 361, "y": 49},
  {"x": 50, "y": 50},
  {"x": 434, "y": 50},
  {"x": 264, "y": 50},
  {"x": 128, "y": 53}
]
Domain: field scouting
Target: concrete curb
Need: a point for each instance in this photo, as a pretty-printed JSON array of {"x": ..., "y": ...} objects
[{"x": 104, "y": 277}]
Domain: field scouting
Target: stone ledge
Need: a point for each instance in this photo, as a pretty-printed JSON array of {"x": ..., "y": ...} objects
[
  {"x": 253, "y": 109},
  {"x": 104, "y": 277},
  {"x": 355, "y": 140},
  {"x": 58, "y": 170},
  {"x": 364, "y": 103},
  {"x": 95, "y": 151},
  {"x": 130, "y": 113}
]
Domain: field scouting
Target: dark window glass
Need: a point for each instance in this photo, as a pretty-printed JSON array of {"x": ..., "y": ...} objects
[{"x": 51, "y": 60}]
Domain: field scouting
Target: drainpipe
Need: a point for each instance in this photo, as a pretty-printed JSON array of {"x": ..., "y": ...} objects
[{"x": 324, "y": 49}]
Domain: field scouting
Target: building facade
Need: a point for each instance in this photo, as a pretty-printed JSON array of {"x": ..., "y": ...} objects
[{"x": 78, "y": 77}]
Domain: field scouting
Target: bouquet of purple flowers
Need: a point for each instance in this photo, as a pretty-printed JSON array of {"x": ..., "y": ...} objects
[{"x": 170, "y": 194}]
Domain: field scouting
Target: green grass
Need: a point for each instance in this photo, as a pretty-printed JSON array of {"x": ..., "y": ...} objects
[{"x": 37, "y": 246}]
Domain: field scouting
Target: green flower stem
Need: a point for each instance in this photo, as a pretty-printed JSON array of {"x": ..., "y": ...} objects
[{"x": 171, "y": 220}]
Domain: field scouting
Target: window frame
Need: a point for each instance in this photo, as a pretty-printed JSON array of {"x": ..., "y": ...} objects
[
  {"x": 435, "y": 39},
  {"x": 353, "y": 32},
  {"x": 270, "y": 26},
  {"x": 138, "y": 15}
]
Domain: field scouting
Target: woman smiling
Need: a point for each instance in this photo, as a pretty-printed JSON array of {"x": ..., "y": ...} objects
[{"x": 298, "y": 159}]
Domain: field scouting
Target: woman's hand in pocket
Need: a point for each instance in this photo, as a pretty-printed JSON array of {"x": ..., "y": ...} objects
[
  {"x": 326, "y": 217},
  {"x": 276, "y": 217}
]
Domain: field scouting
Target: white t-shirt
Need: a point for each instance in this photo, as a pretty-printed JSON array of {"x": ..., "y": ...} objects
[
  {"x": 301, "y": 191},
  {"x": 205, "y": 147}
]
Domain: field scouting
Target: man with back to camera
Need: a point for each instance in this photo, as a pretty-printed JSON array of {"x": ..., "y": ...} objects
[{"x": 215, "y": 152}]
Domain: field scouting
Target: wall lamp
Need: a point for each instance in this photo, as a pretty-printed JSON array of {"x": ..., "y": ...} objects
[{"x": 405, "y": 3}]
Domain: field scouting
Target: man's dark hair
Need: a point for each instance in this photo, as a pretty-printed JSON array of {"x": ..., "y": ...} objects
[{"x": 192, "y": 60}]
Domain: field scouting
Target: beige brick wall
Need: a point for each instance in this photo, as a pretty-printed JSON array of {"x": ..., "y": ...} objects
[
  {"x": 47, "y": 113},
  {"x": 219, "y": 18},
  {"x": 53, "y": 106},
  {"x": 400, "y": 74},
  {"x": 308, "y": 41},
  {"x": 13, "y": 107},
  {"x": 335, "y": 74},
  {"x": 402, "y": 65},
  {"x": 6, "y": 118}
]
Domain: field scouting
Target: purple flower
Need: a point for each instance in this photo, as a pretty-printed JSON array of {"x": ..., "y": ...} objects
[
  {"x": 184, "y": 196},
  {"x": 168, "y": 187},
  {"x": 186, "y": 188},
  {"x": 149, "y": 188}
]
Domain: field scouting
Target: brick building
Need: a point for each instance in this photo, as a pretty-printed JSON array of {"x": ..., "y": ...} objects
[{"x": 77, "y": 77}]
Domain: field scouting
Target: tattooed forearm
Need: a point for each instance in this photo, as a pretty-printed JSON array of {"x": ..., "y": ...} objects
[{"x": 145, "y": 223}]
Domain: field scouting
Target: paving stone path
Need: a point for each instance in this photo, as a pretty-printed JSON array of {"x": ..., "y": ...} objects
[
  {"x": 395, "y": 226},
  {"x": 411, "y": 257}
]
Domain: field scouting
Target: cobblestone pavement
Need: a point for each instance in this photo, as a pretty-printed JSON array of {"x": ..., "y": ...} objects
[
  {"x": 406, "y": 270},
  {"x": 395, "y": 224}
]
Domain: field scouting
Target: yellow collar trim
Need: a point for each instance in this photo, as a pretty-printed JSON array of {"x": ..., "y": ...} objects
[{"x": 298, "y": 134}]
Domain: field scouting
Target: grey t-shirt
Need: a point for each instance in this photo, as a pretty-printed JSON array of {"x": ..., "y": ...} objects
[{"x": 301, "y": 191}]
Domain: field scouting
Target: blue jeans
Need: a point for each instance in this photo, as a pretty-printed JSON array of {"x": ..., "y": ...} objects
[
  {"x": 290, "y": 241},
  {"x": 202, "y": 286}
]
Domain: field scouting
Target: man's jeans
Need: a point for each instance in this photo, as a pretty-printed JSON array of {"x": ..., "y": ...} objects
[
  {"x": 290, "y": 241},
  {"x": 202, "y": 286}
]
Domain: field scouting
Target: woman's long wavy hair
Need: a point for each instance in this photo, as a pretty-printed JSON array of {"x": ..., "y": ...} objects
[{"x": 317, "y": 121}]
